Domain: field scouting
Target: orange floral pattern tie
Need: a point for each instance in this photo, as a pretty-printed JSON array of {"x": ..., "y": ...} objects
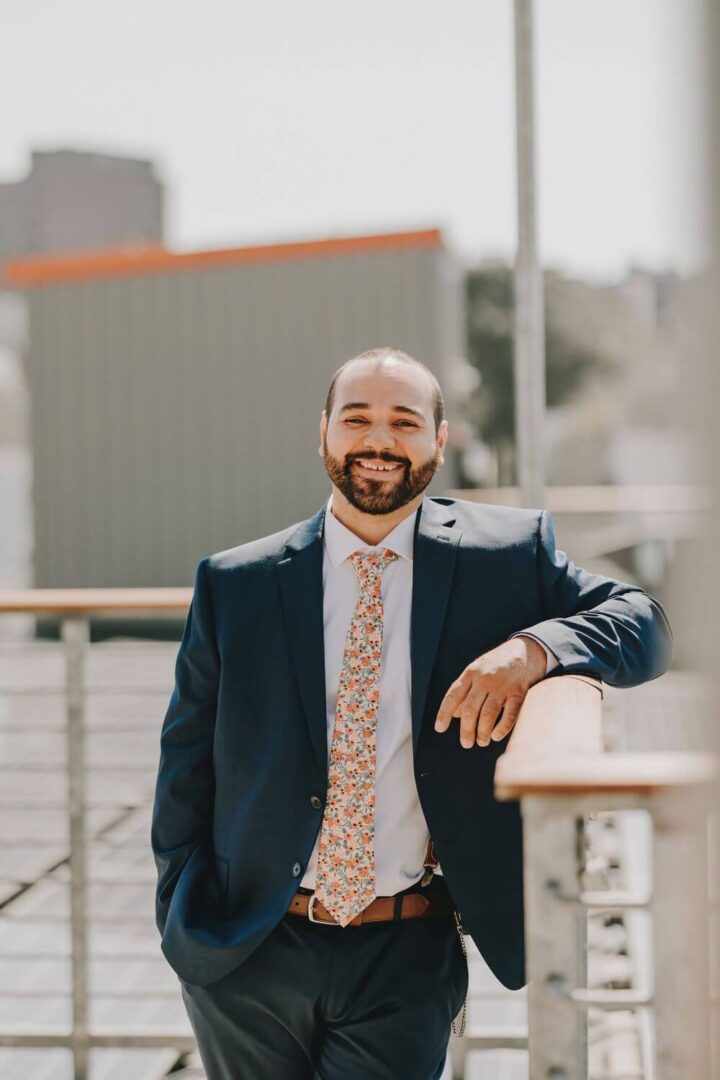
[{"x": 345, "y": 882}]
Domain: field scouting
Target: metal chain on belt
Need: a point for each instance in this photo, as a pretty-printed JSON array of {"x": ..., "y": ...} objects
[{"x": 463, "y": 1019}]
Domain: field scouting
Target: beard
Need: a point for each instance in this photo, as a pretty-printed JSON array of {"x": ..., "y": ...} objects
[{"x": 379, "y": 496}]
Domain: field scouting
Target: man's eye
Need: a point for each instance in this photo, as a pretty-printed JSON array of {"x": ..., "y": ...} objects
[{"x": 359, "y": 420}]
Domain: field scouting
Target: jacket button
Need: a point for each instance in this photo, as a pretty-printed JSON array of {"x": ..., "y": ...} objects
[
  {"x": 297, "y": 869},
  {"x": 315, "y": 802}
]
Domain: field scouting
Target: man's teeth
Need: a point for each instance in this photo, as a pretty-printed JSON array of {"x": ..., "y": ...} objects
[{"x": 380, "y": 468}]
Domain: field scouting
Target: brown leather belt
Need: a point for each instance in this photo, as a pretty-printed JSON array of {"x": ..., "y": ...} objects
[{"x": 381, "y": 909}]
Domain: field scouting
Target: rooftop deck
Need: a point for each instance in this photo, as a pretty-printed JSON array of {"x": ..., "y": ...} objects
[{"x": 132, "y": 988}]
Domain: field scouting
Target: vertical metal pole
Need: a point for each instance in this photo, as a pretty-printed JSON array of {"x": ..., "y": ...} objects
[
  {"x": 75, "y": 636},
  {"x": 704, "y": 613},
  {"x": 555, "y": 940},
  {"x": 681, "y": 932},
  {"x": 529, "y": 343},
  {"x": 713, "y": 847}
]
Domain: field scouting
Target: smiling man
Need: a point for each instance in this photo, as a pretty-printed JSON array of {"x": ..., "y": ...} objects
[
  {"x": 343, "y": 690},
  {"x": 388, "y": 478}
]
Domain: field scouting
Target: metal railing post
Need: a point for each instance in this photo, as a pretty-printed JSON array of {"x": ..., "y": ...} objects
[
  {"x": 76, "y": 635},
  {"x": 681, "y": 914},
  {"x": 556, "y": 939}
]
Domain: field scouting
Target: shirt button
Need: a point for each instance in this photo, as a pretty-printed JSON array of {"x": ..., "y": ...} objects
[
  {"x": 315, "y": 802},
  {"x": 297, "y": 869}
]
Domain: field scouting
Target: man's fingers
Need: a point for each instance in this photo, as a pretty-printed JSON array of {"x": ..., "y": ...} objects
[
  {"x": 509, "y": 717},
  {"x": 469, "y": 710},
  {"x": 488, "y": 715},
  {"x": 478, "y": 712},
  {"x": 450, "y": 705}
]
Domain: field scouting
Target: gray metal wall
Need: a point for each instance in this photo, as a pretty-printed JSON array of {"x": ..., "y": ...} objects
[
  {"x": 175, "y": 414},
  {"x": 72, "y": 201}
]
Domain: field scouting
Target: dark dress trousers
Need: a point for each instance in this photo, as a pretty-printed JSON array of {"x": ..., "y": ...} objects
[
  {"x": 319, "y": 1002},
  {"x": 242, "y": 777}
]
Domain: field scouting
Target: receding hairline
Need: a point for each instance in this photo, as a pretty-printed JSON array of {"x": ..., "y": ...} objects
[{"x": 387, "y": 356}]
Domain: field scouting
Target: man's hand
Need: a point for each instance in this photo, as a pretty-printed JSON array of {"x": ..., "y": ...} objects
[{"x": 497, "y": 680}]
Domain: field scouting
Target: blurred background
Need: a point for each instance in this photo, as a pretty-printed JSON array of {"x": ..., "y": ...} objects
[
  {"x": 203, "y": 213},
  {"x": 129, "y": 382}
]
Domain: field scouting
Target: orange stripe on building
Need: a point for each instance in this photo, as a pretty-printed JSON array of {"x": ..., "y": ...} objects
[{"x": 39, "y": 270}]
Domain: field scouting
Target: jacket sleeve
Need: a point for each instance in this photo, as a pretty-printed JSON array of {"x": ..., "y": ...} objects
[
  {"x": 595, "y": 624},
  {"x": 185, "y": 788}
]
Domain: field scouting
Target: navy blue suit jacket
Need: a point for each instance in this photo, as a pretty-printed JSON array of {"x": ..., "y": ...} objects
[{"x": 243, "y": 748}]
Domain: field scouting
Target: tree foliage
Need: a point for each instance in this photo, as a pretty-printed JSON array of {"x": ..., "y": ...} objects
[{"x": 569, "y": 359}]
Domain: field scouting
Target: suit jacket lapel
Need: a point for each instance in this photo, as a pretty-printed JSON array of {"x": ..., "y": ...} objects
[
  {"x": 433, "y": 566},
  {"x": 301, "y": 589}
]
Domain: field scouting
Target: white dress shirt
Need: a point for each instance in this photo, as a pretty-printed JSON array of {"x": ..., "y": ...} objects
[{"x": 401, "y": 832}]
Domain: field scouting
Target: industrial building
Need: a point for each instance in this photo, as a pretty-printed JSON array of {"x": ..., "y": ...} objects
[
  {"x": 72, "y": 200},
  {"x": 175, "y": 398}
]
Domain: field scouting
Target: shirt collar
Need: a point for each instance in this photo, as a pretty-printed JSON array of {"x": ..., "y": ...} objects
[{"x": 341, "y": 543}]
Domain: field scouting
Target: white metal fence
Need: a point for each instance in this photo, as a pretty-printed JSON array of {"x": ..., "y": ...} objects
[{"x": 555, "y": 764}]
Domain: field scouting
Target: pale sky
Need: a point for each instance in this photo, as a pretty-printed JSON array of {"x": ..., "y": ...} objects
[{"x": 293, "y": 121}]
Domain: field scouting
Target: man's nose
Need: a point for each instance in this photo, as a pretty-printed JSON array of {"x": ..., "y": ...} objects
[{"x": 379, "y": 436}]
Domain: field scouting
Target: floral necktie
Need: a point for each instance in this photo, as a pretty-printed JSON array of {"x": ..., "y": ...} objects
[{"x": 345, "y": 882}]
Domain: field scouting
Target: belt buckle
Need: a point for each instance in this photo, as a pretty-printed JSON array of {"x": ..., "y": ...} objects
[{"x": 313, "y": 918}]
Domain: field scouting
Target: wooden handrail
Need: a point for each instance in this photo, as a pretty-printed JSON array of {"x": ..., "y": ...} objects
[
  {"x": 556, "y": 749},
  {"x": 577, "y": 499},
  {"x": 78, "y": 602}
]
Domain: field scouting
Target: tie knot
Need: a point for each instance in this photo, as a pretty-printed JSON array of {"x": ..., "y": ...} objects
[{"x": 370, "y": 564}]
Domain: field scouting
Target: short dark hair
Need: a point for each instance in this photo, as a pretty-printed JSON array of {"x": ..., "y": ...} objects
[{"x": 386, "y": 352}]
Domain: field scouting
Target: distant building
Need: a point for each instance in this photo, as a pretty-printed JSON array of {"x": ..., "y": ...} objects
[
  {"x": 620, "y": 428},
  {"x": 175, "y": 399},
  {"x": 72, "y": 200}
]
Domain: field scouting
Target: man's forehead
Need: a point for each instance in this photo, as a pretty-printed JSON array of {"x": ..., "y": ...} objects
[{"x": 372, "y": 384}]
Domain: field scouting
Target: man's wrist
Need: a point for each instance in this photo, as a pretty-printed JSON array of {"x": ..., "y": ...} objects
[{"x": 537, "y": 656}]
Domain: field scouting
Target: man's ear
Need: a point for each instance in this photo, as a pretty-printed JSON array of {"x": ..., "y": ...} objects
[
  {"x": 323, "y": 432},
  {"x": 442, "y": 437}
]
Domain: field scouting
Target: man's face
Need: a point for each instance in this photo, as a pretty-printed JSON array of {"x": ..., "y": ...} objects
[{"x": 379, "y": 443}]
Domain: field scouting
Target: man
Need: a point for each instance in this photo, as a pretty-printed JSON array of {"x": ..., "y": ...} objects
[{"x": 310, "y": 750}]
